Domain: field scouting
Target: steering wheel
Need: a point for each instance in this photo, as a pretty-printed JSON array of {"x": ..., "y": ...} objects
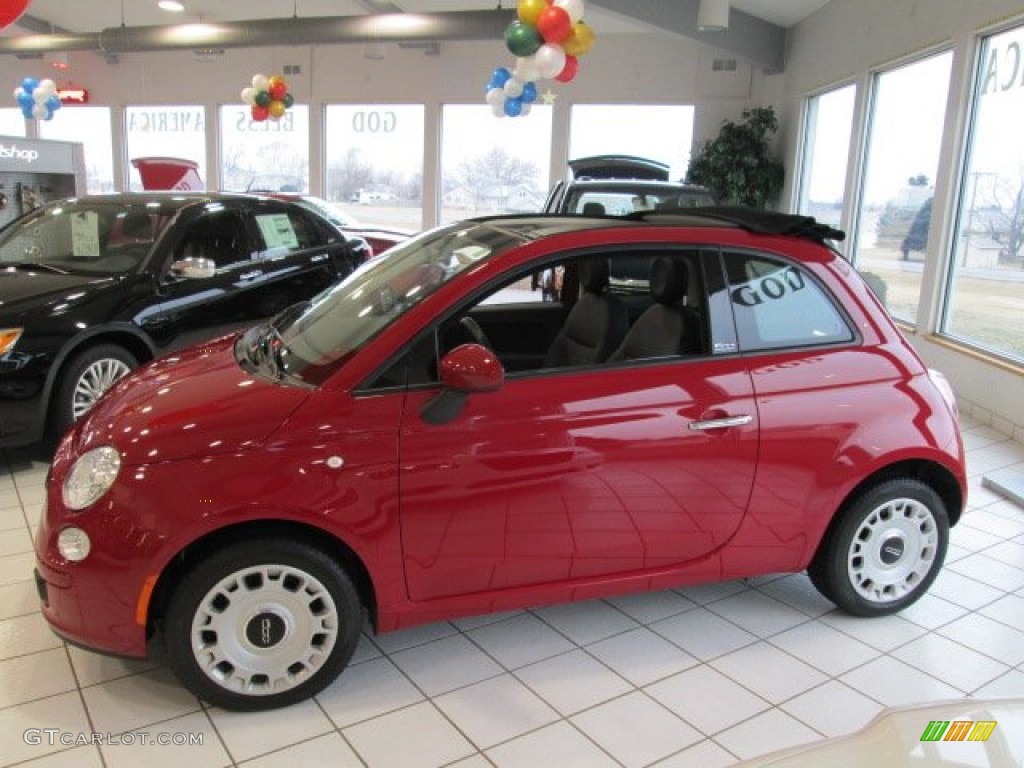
[{"x": 472, "y": 329}]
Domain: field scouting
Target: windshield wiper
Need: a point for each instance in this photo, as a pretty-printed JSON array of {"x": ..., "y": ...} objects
[{"x": 37, "y": 267}]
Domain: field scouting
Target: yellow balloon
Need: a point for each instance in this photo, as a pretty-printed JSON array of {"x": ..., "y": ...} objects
[
  {"x": 276, "y": 109},
  {"x": 529, "y": 10},
  {"x": 580, "y": 40},
  {"x": 271, "y": 82}
]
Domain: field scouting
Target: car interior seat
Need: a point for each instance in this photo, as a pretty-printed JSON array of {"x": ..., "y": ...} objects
[
  {"x": 593, "y": 209},
  {"x": 667, "y": 327},
  {"x": 596, "y": 324}
]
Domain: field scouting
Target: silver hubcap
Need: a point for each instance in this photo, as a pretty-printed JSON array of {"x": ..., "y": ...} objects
[
  {"x": 94, "y": 381},
  {"x": 264, "y": 629},
  {"x": 893, "y": 551}
]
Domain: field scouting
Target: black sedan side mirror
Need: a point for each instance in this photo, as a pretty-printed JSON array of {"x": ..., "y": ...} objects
[{"x": 194, "y": 267}]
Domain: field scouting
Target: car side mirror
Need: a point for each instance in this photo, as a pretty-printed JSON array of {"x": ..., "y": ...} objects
[
  {"x": 467, "y": 369},
  {"x": 194, "y": 267}
]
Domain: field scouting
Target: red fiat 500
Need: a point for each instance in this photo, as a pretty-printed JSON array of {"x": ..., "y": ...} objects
[{"x": 708, "y": 397}]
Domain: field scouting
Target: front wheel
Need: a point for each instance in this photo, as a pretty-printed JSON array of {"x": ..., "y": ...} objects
[
  {"x": 87, "y": 376},
  {"x": 262, "y": 624},
  {"x": 885, "y": 550}
]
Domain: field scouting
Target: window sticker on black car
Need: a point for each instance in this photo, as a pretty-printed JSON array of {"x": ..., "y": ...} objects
[{"x": 277, "y": 230}]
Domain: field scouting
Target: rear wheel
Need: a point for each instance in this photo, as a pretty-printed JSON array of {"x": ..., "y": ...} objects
[
  {"x": 262, "y": 624},
  {"x": 885, "y": 550},
  {"x": 87, "y": 376}
]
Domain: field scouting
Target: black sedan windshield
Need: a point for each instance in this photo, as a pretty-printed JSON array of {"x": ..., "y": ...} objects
[{"x": 101, "y": 238}]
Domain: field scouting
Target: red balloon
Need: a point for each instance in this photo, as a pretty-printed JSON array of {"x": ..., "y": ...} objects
[
  {"x": 278, "y": 90},
  {"x": 572, "y": 65},
  {"x": 260, "y": 113},
  {"x": 11, "y": 10},
  {"x": 554, "y": 24}
]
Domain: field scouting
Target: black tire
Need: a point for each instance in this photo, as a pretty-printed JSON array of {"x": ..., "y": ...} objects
[
  {"x": 85, "y": 378},
  {"x": 262, "y": 624},
  {"x": 884, "y": 550}
]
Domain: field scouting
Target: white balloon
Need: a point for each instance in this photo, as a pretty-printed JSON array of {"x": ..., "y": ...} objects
[
  {"x": 498, "y": 109},
  {"x": 496, "y": 98},
  {"x": 18, "y": 91},
  {"x": 573, "y": 7},
  {"x": 48, "y": 85},
  {"x": 527, "y": 106},
  {"x": 260, "y": 82},
  {"x": 249, "y": 96},
  {"x": 40, "y": 112},
  {"x": 40, "y": 96},
  {"x": 513, "y": 87},
  {"x": 550, "y": 60},
  {"x": 526, "y": 69}
]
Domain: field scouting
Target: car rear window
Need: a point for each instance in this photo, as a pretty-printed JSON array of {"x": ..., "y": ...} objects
[{"x": 777, "y": 305}]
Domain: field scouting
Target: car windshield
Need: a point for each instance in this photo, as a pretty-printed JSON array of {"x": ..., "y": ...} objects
[
  {"x": 337, "y": 323},
  {"x": 90, "y": 237}
]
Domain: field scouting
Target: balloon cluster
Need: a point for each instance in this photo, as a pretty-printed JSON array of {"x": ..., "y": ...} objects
[
  {"x": 547, "y": 39},
  {"x": 37, "y": 98},
  {"x": 267, "y": 97}
]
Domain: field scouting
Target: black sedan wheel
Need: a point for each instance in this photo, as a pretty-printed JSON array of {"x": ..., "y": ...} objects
[
  {"x": 86, "y": 378},
  {"x": 885, "y": 550},
  {"x": 262, "y": 624}
]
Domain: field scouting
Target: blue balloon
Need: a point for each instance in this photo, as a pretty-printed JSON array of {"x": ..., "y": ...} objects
[
  {"x": 26, "y": 110},
  {"x": 529, "y": 94},
  {"x": 513, "y": 107},
  {"x": 53, "y": 103},
  {"x": 500, "y": 77},
  {"x": 29, "y": 84},
  {"x": 25, "y": 100}
]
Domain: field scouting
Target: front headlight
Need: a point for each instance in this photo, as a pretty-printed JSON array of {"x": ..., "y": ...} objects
[
  {"x": 91, "y": 477},
  {"x": 8, "y": 338}
]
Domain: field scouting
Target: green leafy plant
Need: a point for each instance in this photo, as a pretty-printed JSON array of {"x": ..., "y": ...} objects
[{"x": 738, "y": 166}]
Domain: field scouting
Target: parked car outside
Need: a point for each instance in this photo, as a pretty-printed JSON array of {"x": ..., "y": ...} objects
[
  {"x": 422, "y": 443},
  {"x": 618, "y": 185},
  {"x": 368, "y": 240},
  {"x": 93, "y": 286}
]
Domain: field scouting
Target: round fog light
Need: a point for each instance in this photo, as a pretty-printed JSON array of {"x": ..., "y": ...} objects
[{"x": 73, "y": 544}]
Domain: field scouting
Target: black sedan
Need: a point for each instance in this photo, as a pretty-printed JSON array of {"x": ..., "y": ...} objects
[{"x": 93, "y": 286}]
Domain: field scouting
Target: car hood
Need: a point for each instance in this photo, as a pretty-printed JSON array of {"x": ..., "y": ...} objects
[
  {"x": 195, "y": 404},
  {"x": 25, "y": 290}
]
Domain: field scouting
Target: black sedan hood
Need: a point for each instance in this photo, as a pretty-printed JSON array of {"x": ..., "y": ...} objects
[{"x": 24, "y": 290}]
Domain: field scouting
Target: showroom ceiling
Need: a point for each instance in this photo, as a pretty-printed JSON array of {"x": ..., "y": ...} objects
[{"x": 84, "y": 16}]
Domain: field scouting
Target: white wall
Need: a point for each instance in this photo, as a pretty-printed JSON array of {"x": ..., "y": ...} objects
[{"x": 844, "y": 42}]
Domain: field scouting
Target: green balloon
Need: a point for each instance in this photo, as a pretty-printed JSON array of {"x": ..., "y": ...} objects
[
  {"x": 522, "y": 39},
  {"x": 262, "y": 98},
  {"x": 288, "y": 100}
]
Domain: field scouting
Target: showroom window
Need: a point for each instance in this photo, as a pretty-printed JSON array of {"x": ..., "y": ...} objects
[
  {"x": 12, "y": 122},
  {"x": 983, "y": 301},
  {"x": 374, "y": 160},
  {"x": 492, "y": 165},
  {"x": 656, "y": 132},
  {"x": 90, "y": 126},
  {"x": 828, "y": 124},
  {"x": 267, "y": 155},
  {"x": 906, "y": 121},
  {"x": 165, "y": 131}
]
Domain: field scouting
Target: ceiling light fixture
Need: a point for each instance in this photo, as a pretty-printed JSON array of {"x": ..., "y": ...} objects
[
  {"x": 713, "y": 16},
  {"x": 173, "y": 6}
]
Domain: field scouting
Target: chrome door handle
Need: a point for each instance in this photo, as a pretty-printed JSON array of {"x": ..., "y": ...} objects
[
  {"x": 250, "y": 275},
  {"x": 724, "y": 422}
]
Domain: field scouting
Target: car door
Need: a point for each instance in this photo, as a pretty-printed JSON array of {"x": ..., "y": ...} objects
[
  {"x": 579, "y": 473},
  {"x": 265, "y": 259}
]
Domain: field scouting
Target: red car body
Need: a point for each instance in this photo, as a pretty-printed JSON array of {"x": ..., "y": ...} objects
[{"x": 562, "y": 485}]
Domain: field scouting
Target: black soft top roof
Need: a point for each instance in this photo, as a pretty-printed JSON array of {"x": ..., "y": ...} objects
[{"x": 750, "y": 219}]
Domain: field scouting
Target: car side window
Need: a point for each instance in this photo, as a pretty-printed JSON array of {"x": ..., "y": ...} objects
[
  {"x": 219, "y": 237},
  {"x": 777, "y": 305}
]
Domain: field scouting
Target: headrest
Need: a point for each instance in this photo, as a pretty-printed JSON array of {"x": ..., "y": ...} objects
[
  {"x": 668, "y": 280},
  {"x": 593, "y": 209},
  {"x": 594, "y": 274},
  {"x": 137, "y": 225}
]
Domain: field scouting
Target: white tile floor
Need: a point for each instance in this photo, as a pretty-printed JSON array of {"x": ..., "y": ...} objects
[{"x": 703, "y": 677}]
